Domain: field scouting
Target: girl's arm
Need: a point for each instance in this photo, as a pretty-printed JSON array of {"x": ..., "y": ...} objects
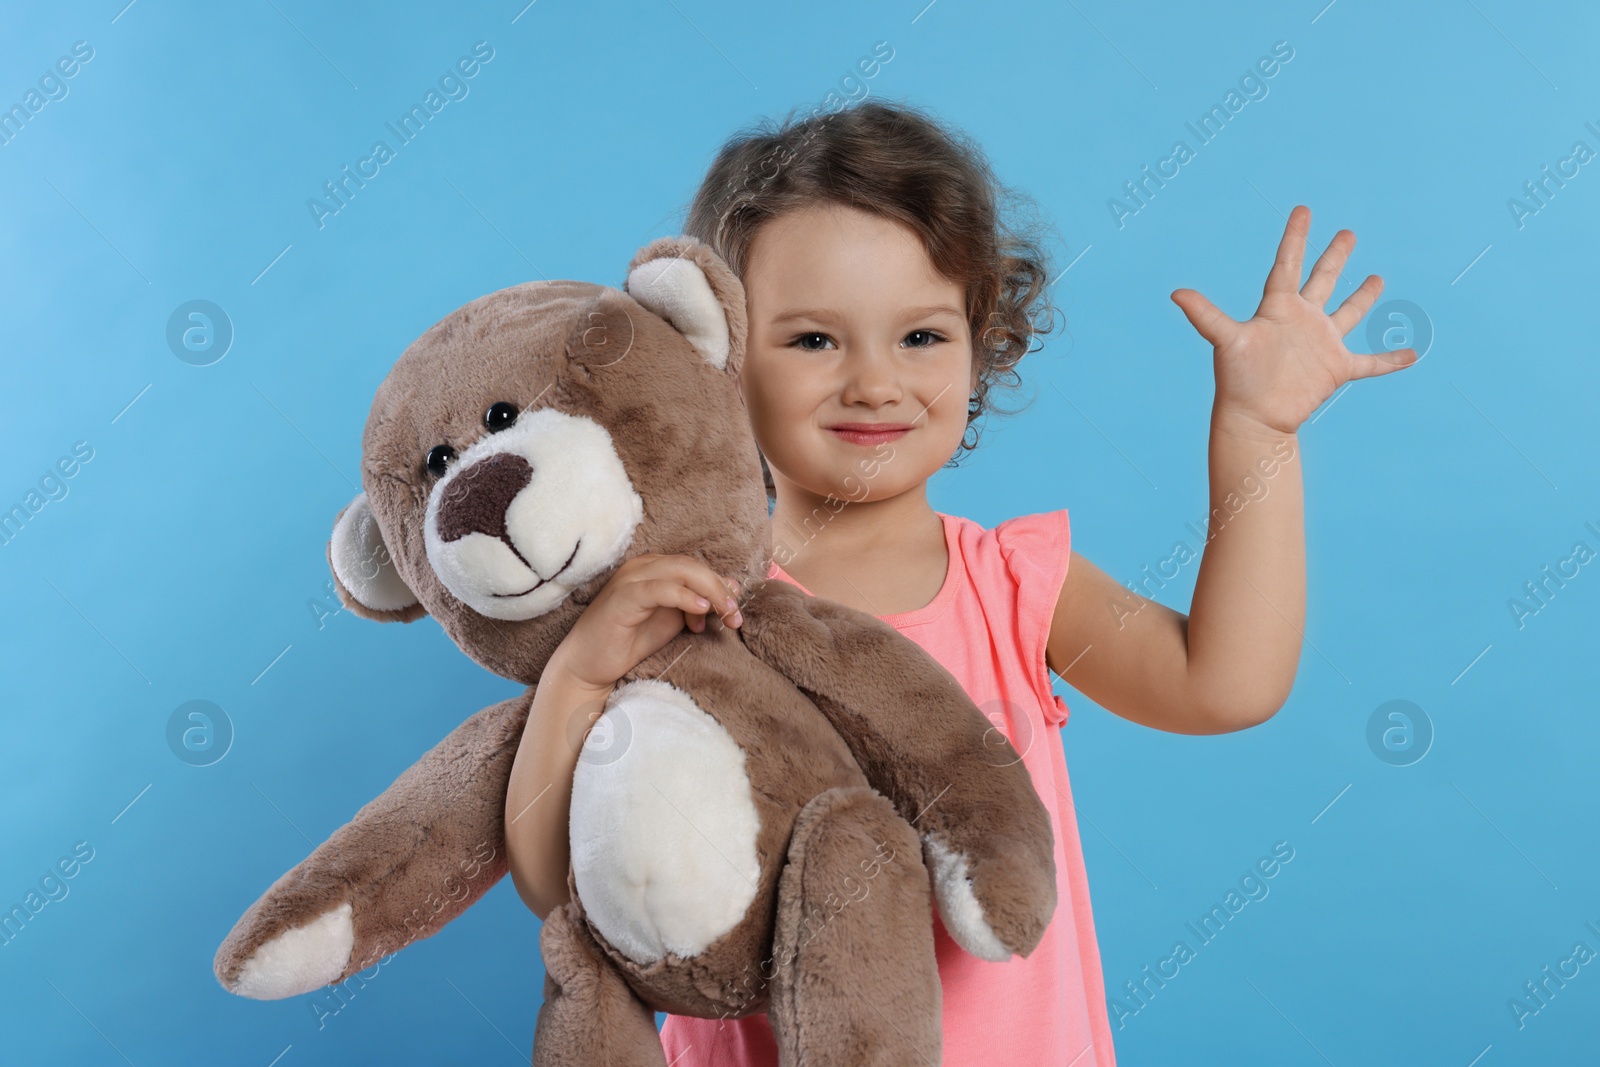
[
  {"x": 1231, "y": 663},
  {"x": 539, "y": 792},
  {"x": 645, "y": 603}
]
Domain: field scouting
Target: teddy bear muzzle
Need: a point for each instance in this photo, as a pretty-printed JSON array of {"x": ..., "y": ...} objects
[{"x": 529, "y": 513}]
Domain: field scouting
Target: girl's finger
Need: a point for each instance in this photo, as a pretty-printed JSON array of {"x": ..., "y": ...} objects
[
  {"x": 1356, "y": 305},
  {"x": 707, "y": 593},
  {"x": 1285, "y": 273},
  {"x": 651, "y": 593},
  {"x": 689, "y": 573},
  {"x": 714, "y": 588},
  {"x": 692, "y": 604},
  {"x": 724, "y": 595},
  {"x": 1319, "y": 287},
  {"x": 1205, "y": 316},
  {"x": 1385, "y": 363}
]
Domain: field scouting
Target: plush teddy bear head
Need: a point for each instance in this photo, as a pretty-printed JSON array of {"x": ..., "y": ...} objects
[{"x": 533, "y": 439}]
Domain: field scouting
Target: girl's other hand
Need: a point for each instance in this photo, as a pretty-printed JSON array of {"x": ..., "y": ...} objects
[
  {"x": 645, "y": 603},
  {"x": 1278, "y": 367}
]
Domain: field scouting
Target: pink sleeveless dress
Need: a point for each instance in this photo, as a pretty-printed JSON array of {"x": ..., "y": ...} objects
[{"x": 987, "y": 626}]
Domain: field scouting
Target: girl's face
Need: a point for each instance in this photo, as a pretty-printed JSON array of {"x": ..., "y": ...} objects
[{"x": 850, "y": 325}]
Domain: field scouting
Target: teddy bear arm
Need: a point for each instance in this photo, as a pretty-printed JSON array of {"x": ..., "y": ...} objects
[
  {"x": 925, "y": 746},
  {"x": 408, "y": 862},
  {"x": 907, "y": 721}
]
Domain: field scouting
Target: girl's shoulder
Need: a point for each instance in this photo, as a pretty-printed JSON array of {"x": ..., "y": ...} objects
[
  {"x": 1017, "y": 569},
  {"x": 1022, "y": 546},
  {"x": 1024, "y": 557}
]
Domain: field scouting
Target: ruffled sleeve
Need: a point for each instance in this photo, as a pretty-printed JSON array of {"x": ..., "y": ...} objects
[{"x": 1036, "y": 549}]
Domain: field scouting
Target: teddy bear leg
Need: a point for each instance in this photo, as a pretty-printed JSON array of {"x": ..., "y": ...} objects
[
  {"x": 590, "y": 1016},
  {"x": 854, "y": 976}
]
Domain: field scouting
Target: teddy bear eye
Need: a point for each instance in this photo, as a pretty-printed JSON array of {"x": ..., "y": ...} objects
[
  {"x": 439, "y": 459},
  {"x": 499, "y": 416}
]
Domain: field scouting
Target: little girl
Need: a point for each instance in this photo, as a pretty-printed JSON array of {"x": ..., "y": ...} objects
[{"x": 886, "y": 298}]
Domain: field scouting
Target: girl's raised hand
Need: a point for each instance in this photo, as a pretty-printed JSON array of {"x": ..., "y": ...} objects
[{"x": 1278, "y": 367}]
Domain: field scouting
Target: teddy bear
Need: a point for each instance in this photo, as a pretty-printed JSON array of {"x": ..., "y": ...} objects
[{"x": 778, "y": 807}]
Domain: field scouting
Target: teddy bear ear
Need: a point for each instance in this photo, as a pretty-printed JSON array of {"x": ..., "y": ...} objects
[
  {"x": 685, "y": 282},
  {"x": 363, "y": 571}
]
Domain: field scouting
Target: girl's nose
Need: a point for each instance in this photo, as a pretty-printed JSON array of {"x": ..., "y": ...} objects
[{"x": 870, "y": 377}]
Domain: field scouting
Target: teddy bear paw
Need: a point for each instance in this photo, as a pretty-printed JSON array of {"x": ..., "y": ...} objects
[
  {"x": 299, "y": 959},
  {"x": 959, "y": 907},
  {"x": 994, "y": 904}
]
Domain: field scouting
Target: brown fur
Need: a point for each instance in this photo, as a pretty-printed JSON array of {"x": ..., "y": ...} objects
[{"x": 857, "y": 744}]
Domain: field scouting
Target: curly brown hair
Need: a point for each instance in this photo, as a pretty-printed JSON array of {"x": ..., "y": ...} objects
[{"x": 897, "y": 161}]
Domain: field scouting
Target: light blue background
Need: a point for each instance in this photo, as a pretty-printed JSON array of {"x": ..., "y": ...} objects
[{"x": 187, "y": 554}]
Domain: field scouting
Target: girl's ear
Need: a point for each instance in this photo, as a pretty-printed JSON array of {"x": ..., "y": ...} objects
[{"x": 364, "y": 574}]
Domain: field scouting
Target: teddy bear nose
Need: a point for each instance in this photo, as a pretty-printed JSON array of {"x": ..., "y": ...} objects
[{"x": 477, "y": 498}]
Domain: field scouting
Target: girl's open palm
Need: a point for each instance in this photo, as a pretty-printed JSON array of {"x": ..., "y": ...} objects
[{"x": 1280, "y": 365}]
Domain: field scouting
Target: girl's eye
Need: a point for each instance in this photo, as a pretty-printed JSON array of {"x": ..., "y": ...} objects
[
  {"x": 801, "y": 341},
  {"x": 933, "y": 337}
]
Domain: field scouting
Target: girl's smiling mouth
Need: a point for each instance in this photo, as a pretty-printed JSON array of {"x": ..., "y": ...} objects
[{"x": 869, "y": 433}]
